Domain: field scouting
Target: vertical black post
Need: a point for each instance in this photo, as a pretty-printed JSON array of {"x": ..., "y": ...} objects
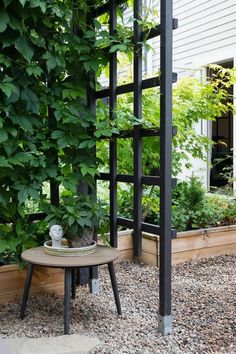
[
  {"x": 73, "y": 283},
  {"x": 67, "y": 299},
  {"x": 91, "y": 103},
  {"x": 165, "y": 318},
  {"x": 26, "y": 290},
  {"x": 137, "y": 130},
  {"x": 113, "y": 142}
]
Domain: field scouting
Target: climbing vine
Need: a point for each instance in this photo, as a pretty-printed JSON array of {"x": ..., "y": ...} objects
[{"x": 49, "y": 56}]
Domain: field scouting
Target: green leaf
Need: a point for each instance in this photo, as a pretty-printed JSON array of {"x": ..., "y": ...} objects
[
  {"x": 22, "y": 45},
  {"x": 14, "y": 97},
  {"x": 5, "y": 60},
  {"x": 3, "y": 136},
  {"x": 33, "y": 192},
  {"x": 22, "y": 195},
  {"x": 23, "y": 2},
  {"x": 51, "y": 61},
  {"x": 51, "y": 171},
  {"x": 23, "y": 122},
  {"x": 71, "y": 220},
  {"x": 20, "y": 159},
  {"x": 87, "y": 144},
  {"x": 12, "y": 131},
  {"x": 4, "y": 20},
  {"x": 39, "y": 3},
  {"x": 10, "y": 146},
  {"x": 15, "y": 162},
  {"x": 31, "y": 100},
  {"x": 8, "y": 88},
  {"x": 15, "y": 24},
  {"x": 73, "y": 93},
  {"x": 4, "y": 162},
  {"x": 118, "y": 47},
  {"x": 4, "y": 245},
  {"x": 34, "y": 70},
  {"x": 56, "y": 134}
]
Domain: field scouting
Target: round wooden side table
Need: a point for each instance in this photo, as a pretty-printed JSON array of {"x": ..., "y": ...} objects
[{"x": 102, "y": 255}]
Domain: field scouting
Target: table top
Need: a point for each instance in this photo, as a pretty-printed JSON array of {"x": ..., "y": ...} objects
[{"x": 102, "y": 255}]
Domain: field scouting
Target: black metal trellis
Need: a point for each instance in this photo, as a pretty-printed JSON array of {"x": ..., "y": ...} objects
[{"x": 166, "y": 131}]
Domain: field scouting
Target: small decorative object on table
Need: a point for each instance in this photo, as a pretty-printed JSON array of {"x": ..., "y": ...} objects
[
  {"x": 78, "y": 218},
  {"x": 56, "y": 234}
]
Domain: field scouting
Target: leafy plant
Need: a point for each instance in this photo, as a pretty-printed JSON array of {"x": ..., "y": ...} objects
[
  {"x": 193, "y": 209},
  {"x": 79, "y": 215}
]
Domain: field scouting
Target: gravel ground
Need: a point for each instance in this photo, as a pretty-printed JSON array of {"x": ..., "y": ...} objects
[{"x": 204, "y": 311}]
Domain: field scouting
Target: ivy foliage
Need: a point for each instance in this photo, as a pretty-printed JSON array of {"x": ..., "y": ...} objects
[{"x": 48, "y": 59}]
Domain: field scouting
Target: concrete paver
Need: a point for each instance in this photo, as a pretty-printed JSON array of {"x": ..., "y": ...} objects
[{"x": 72, "y": 344}]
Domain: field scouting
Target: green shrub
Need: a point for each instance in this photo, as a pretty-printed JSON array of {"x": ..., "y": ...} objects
[
  {"x": 193, "y": 208},
  {"x": 150, "y": 204}
]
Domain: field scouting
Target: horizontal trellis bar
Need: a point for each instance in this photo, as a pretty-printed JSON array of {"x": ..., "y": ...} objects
[
  {"x": 147, "y": 180},
  {"x": 156, "y": 31},
  {"x": 36, "y": 216},
  {"x": 146, "y": 227},
  {"x": 128, "y": 88},
  {"x": 150, "y": 33},
  {"x": 145, "y": 132},
  {"x": 106, "y": 7}
]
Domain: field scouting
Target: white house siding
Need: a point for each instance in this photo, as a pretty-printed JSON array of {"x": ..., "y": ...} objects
[{"x": 206, "y": 34}]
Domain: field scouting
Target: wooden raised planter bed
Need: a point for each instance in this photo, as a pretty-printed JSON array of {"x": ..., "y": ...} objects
[
  {"x": 188, "y": 245},
  {"x": 192, "y": 244},
  {"x": 44, "y": 281}
]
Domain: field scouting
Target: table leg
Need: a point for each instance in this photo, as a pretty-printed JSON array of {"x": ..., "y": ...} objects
[
  {"x": 67, "y": 299},
  {"x": 74, "y": 279},
  {"x": 93, "y": 280},
  {"x": 114, "y": 287},
  {"x": 26, "y": 290}
]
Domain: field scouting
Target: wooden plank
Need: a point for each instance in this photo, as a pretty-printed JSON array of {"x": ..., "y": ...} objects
[
  {"x": 203, "y": 252},
  {"x": 9, "y": 268},
  {"x": 150, "y": 246},
  {"x": 45, "y": 280},
  {"x": 125, "y": 255},
  {"x": 189, "y": 243},
  {"x": 192, "y": 242},
  {"x": 125, "y": 242},
  {"x": 148, "y": 258},
  {"x": 16, "y": 294},
  {"x": 221, "y": 238}
]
